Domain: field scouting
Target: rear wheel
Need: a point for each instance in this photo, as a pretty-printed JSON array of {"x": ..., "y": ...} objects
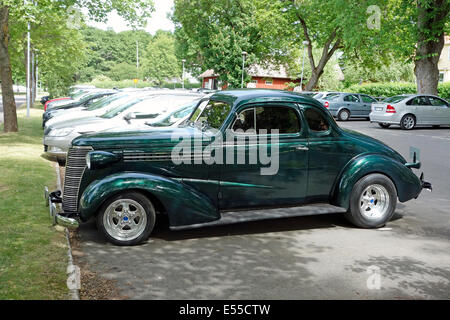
[
  {"x": 372, "y": 202},
  {"x": 384, "y": 125},
  {"x": 344, "y": 115},
  {"x": 127, "y": 219},
  {"x": 408, "y": 122}
]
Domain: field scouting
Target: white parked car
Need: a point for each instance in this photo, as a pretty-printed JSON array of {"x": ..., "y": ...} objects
[
  {"x": 409, "y": 111},
  {"x": 152, "y": 108}
]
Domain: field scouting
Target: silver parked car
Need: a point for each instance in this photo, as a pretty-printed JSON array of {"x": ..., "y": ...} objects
[
  {"x": 409, "y": 111},
  {"x": 349, "y": 105},
  {"x": 154, "y": 108}
]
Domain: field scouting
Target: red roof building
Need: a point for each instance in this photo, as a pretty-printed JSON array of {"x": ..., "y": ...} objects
[{"x": 262, "y": 78}]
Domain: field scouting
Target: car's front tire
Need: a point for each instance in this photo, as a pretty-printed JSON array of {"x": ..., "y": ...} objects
[
  {"x": 372, "y": 202},
  {"x": 127, "y": 219}
]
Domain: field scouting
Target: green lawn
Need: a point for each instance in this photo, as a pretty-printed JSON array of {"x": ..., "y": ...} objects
[{"x": 33, "y": 254}]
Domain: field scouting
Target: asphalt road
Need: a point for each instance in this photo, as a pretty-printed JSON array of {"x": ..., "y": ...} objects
[
  {"x": 314, "y": 257},
  {"x": 20, "y": 99}
]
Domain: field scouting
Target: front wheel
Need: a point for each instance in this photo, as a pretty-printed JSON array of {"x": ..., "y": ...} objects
[
  {"x": 127, "y": 219},
  {"x": 372, "y": 202}
]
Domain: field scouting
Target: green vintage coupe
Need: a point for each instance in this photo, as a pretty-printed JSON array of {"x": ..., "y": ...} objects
[{"x": 240, "y": 150}]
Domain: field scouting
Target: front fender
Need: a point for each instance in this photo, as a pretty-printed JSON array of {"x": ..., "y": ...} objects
[
  {"x": 184, "y": 204},
  {"x": 406, "y": 182}
]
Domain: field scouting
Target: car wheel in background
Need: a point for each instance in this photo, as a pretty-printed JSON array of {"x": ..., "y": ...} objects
[
  {"x": 344, "y": 115},
  {"x": 408, "y": 122},
  {"x": 372, "y": 202},
  {"x": 127, "y": 219},
  {"x": 384, "y": 125},
  {"x": 436, "y": 126}
]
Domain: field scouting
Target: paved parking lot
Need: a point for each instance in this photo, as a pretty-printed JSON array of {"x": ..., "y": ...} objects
[{"x": 315, "y": 257}]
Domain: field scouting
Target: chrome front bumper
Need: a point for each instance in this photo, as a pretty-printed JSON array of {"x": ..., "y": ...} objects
[{"x": 57, "y": 218}]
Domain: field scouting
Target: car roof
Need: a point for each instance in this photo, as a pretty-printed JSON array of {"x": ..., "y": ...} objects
[{"x": 238, "y": 97}]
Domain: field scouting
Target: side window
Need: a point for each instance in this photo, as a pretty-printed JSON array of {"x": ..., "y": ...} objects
[
  {"x": 419, "y": 101},
  {"x": 316, "y": 121},
  {"x": 437, "y": 102},
  {"x": 245, "y": 121},
  {"x": 367, "y": 99},
  {"x": 351, "y": 98},
  {"x": 283, "y": 119}
]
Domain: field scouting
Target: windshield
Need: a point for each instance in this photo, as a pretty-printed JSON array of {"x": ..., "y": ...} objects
[
  {"x": 331, "y": 96},
  {"x": 395, "y": 99},
  {"x": 212, "y": 115},
  {"x": 177, "y": 115},
  {"x": 106, "y": 101},
  {"x": 120, "y": 108},
  {"x": 78, "y": 94}
]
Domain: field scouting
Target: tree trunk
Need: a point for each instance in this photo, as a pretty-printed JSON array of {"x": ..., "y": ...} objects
[
  {"x": 9, "y": 104},
  {"x": 430, "y": 24}
]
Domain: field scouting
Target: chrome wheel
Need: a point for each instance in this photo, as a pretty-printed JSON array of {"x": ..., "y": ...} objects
[
  {"x": 374, "y": 202},
  {"x": 125, "y": 219},
  {"x": 408, "y": 122}
]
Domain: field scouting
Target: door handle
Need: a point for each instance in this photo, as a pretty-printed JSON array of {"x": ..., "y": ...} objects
[{"x": 302, "y": 148}]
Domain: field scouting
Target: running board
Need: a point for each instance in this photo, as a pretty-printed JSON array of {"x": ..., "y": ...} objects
[{"x": 233, "y": 217}]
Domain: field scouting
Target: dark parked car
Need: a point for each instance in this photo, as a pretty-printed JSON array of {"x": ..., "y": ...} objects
[
  {"x": 84, "y": 100},
  {"x": 349, "y": 105},
  {"x": 126, "y": 180}
]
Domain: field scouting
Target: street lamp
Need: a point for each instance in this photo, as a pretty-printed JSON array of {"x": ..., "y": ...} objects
[
  {"x": 28, "y": 66},
  {"x": 182, "y": 77},
  {"x": 305, "y": 43},
  {"x": 244, "y": 54}
]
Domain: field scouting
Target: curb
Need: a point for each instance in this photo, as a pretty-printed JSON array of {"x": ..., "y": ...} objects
[{"x": 73, "y": 271}]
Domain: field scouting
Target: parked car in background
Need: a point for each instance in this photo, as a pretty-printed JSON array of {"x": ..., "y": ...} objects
[
  {"x": 321, "y": 96},
  {"x": 84, "y": 100},
  {"x": 409, "y": 111},
  {"x": 126, "y": 179},
  {"x": 344, "y": 106},
  {"x": 139, "y": 110}
]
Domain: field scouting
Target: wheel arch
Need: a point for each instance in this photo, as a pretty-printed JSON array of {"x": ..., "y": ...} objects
[
  {"x": 183, "y": 204},
  {"x": 405, "y": 181}
]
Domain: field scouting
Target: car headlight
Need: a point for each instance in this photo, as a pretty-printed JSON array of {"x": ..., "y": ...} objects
[
  {"x": 88, "y": 161},
  {"x": 60, "y": 132}
]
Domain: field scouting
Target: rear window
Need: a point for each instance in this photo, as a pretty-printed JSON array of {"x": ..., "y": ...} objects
[{"x": 395, "y": 99}]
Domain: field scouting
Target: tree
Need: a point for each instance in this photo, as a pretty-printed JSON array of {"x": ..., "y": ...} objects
[
  {"x": 160, "y": 62},
  {"x": 213, "y": 35},
  {"x": 136, "y": 12},
  {"x": 123, "y": 71},
  {"x": 432, "y": 22}
]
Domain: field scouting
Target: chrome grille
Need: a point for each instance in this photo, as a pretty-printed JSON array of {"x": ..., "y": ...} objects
[
  {"x": 76, "y": 164},
  {"x": 145, "y": 156}
]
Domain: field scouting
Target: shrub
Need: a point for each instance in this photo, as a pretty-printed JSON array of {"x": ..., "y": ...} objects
[{"x": 389, "y": 89}]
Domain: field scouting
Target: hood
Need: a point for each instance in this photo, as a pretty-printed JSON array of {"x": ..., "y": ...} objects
[
  {"x": 373, "y": 145},
  {"x": 138, "y": 137}
]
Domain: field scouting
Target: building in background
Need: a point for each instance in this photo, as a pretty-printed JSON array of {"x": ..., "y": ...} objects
[
  {"x": 262, "y": 78},
  {"x": 444, "y": 62}
]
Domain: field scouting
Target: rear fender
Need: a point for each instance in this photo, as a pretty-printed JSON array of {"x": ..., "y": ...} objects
[
  {"x": 406, "y": 182},
  {"x": 184, "y": 204}
]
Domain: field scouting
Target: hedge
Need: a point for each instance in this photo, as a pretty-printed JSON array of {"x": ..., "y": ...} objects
[
  {"x": 390, "y": 89},
  {"x": 108, "y": 83}
]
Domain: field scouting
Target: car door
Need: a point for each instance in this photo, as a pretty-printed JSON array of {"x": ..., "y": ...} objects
[
  {"x": 420, "y": 108},
  {"x": 366, "y": 104},
  {"x": 353, "y": 103},
  {"x": 247, "y": 179},
  {"x": 440, "y": 110}
]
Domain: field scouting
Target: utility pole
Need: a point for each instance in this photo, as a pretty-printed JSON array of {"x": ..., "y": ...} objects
[
  {"x": 137, "y": 62},
  {"x": 28, "y": 68},
  {"x": 182, "y": 76},
  {"x": 244, "y": 54},
  {"x": 305, "y": 43}
]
